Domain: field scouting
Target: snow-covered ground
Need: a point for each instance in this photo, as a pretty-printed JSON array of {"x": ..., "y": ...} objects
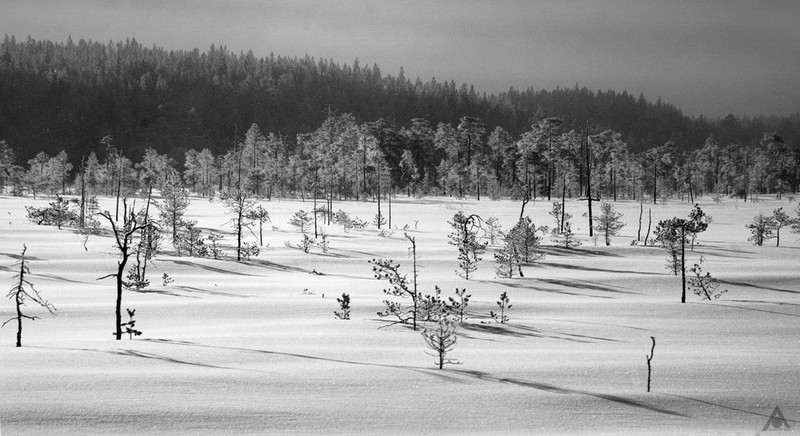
[{"x": 253, "y": 347}]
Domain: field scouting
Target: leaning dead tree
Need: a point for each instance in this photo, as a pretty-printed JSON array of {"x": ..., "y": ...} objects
[
  {"x": 23, "y": 290},
  {"x": 124, "y": 235}
]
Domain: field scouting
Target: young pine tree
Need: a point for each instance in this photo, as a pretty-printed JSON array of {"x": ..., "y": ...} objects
[
  {"x": 465, "y": 237},
  {"x": 609, "y": 222},
  {"x": 441, "y": 338}
]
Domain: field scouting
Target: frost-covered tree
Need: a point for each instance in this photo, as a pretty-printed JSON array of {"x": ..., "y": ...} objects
[
  {"x": 780, "y": 219},
  {"x": 508, "y": 262},
  {"x": 23, "y": 290},
  {"x": 173, "y": 207},
  {"x": 259, "y": 215},
  {"x": 465, "y": 237},
  {"x": 760, "y": 229},
  {"x": 524, "y": 238},
  {"x": 301, "y": 220},
  {"x": 609, "y": 222},
  {"x": 239, "y": 203}
]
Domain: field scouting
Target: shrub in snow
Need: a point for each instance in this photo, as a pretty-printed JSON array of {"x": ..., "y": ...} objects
[
  {"x": 458, "y": 306},
  {"x": 130, "y": 326},
  {"x": 344, "y": 307},
  {"x": 504, "y": 305},
  {"x": 704, "y": 286}
]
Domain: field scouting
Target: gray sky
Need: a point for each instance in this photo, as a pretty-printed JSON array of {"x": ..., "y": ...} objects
[{"x": 712, "y": 57}]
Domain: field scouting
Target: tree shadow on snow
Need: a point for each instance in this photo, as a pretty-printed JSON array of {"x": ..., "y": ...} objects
[
  {"x": 582, "y": 284},
  {"x": 586, "y": 268},
  {"x": 561, "y": 251},
  {"x": 735, "y": 409},
  {"x": 566, "y": 391},
  {"x": 750, "y": 285},
  {"x": 528, "y": 285},
  {"x": 521, "y": 331},
  {"x": 207, "y": 267},
  {"x": 432, "y": 372}
]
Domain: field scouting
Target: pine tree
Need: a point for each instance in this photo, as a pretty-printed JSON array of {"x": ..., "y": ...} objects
[{"x": 609, "y": 222}]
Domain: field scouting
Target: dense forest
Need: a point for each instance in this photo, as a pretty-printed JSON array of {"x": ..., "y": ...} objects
[{"x": 278, "y": 124}]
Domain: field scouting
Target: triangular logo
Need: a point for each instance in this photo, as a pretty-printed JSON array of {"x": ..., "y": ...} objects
[{"x": 776, "y": 421}]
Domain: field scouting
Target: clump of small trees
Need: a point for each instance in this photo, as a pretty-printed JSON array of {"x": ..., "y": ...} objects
[{"x": 522, "y": 244}]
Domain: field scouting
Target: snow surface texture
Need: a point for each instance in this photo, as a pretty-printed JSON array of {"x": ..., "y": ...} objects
[{"x": 240, "y": 348}]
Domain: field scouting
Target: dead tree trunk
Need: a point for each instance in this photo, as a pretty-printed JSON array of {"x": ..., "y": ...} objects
[
  {"x": 650, "y": 358},
  {"x": 124, "y": 239}
]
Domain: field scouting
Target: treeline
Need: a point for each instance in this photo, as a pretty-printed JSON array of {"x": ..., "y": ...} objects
[
  {"x": 346, "y": 160},
  {"x": 68, "y": 96}
]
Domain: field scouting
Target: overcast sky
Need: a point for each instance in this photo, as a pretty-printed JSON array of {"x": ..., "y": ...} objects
[{"x": 705, "y": 57}]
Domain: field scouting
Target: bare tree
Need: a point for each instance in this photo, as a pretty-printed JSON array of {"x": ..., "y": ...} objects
[
  {"x": 649, "y": 359},
  {"x": 124, "y": 235},
  {"x": 23, "y": 289}
]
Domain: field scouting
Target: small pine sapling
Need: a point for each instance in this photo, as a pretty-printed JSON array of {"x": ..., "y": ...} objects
[
  {"x": 560, "y": 217},
  {"x": 344, "y": 307},
  {"x": 504, "y": 305},
  {"x": 306, "y": 243},
  {"x": 492, "y": 230},
  {"x": 213, "y": 250},
  {"x": 301, "y": 220},
  {"x": 508, "y": 261},
  {"x": 431, "y": 307},
  {"x": 464, "y": 237},
  {"x": 458, "y": 306},
  {"x": 565, "y": 238},
  {"x": 323, "y": 243},
  {"x": 22, "y": 290},
  {"x": 780, "y": 219},
  {"x": 379, "y": 220},
  {"x": 704, "y": 286},
  {"x": 609, "y": 222},
  {"x": 524, "y": 238},
  {"x": 166, "y": 279},
  {"x": 250, "y": 249},
  {"x": 761, "y": 229},
  {"x": 130, "y": 326},
  {"x": 260, "y": 215},
  {"x": 441, "y": 339}
]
